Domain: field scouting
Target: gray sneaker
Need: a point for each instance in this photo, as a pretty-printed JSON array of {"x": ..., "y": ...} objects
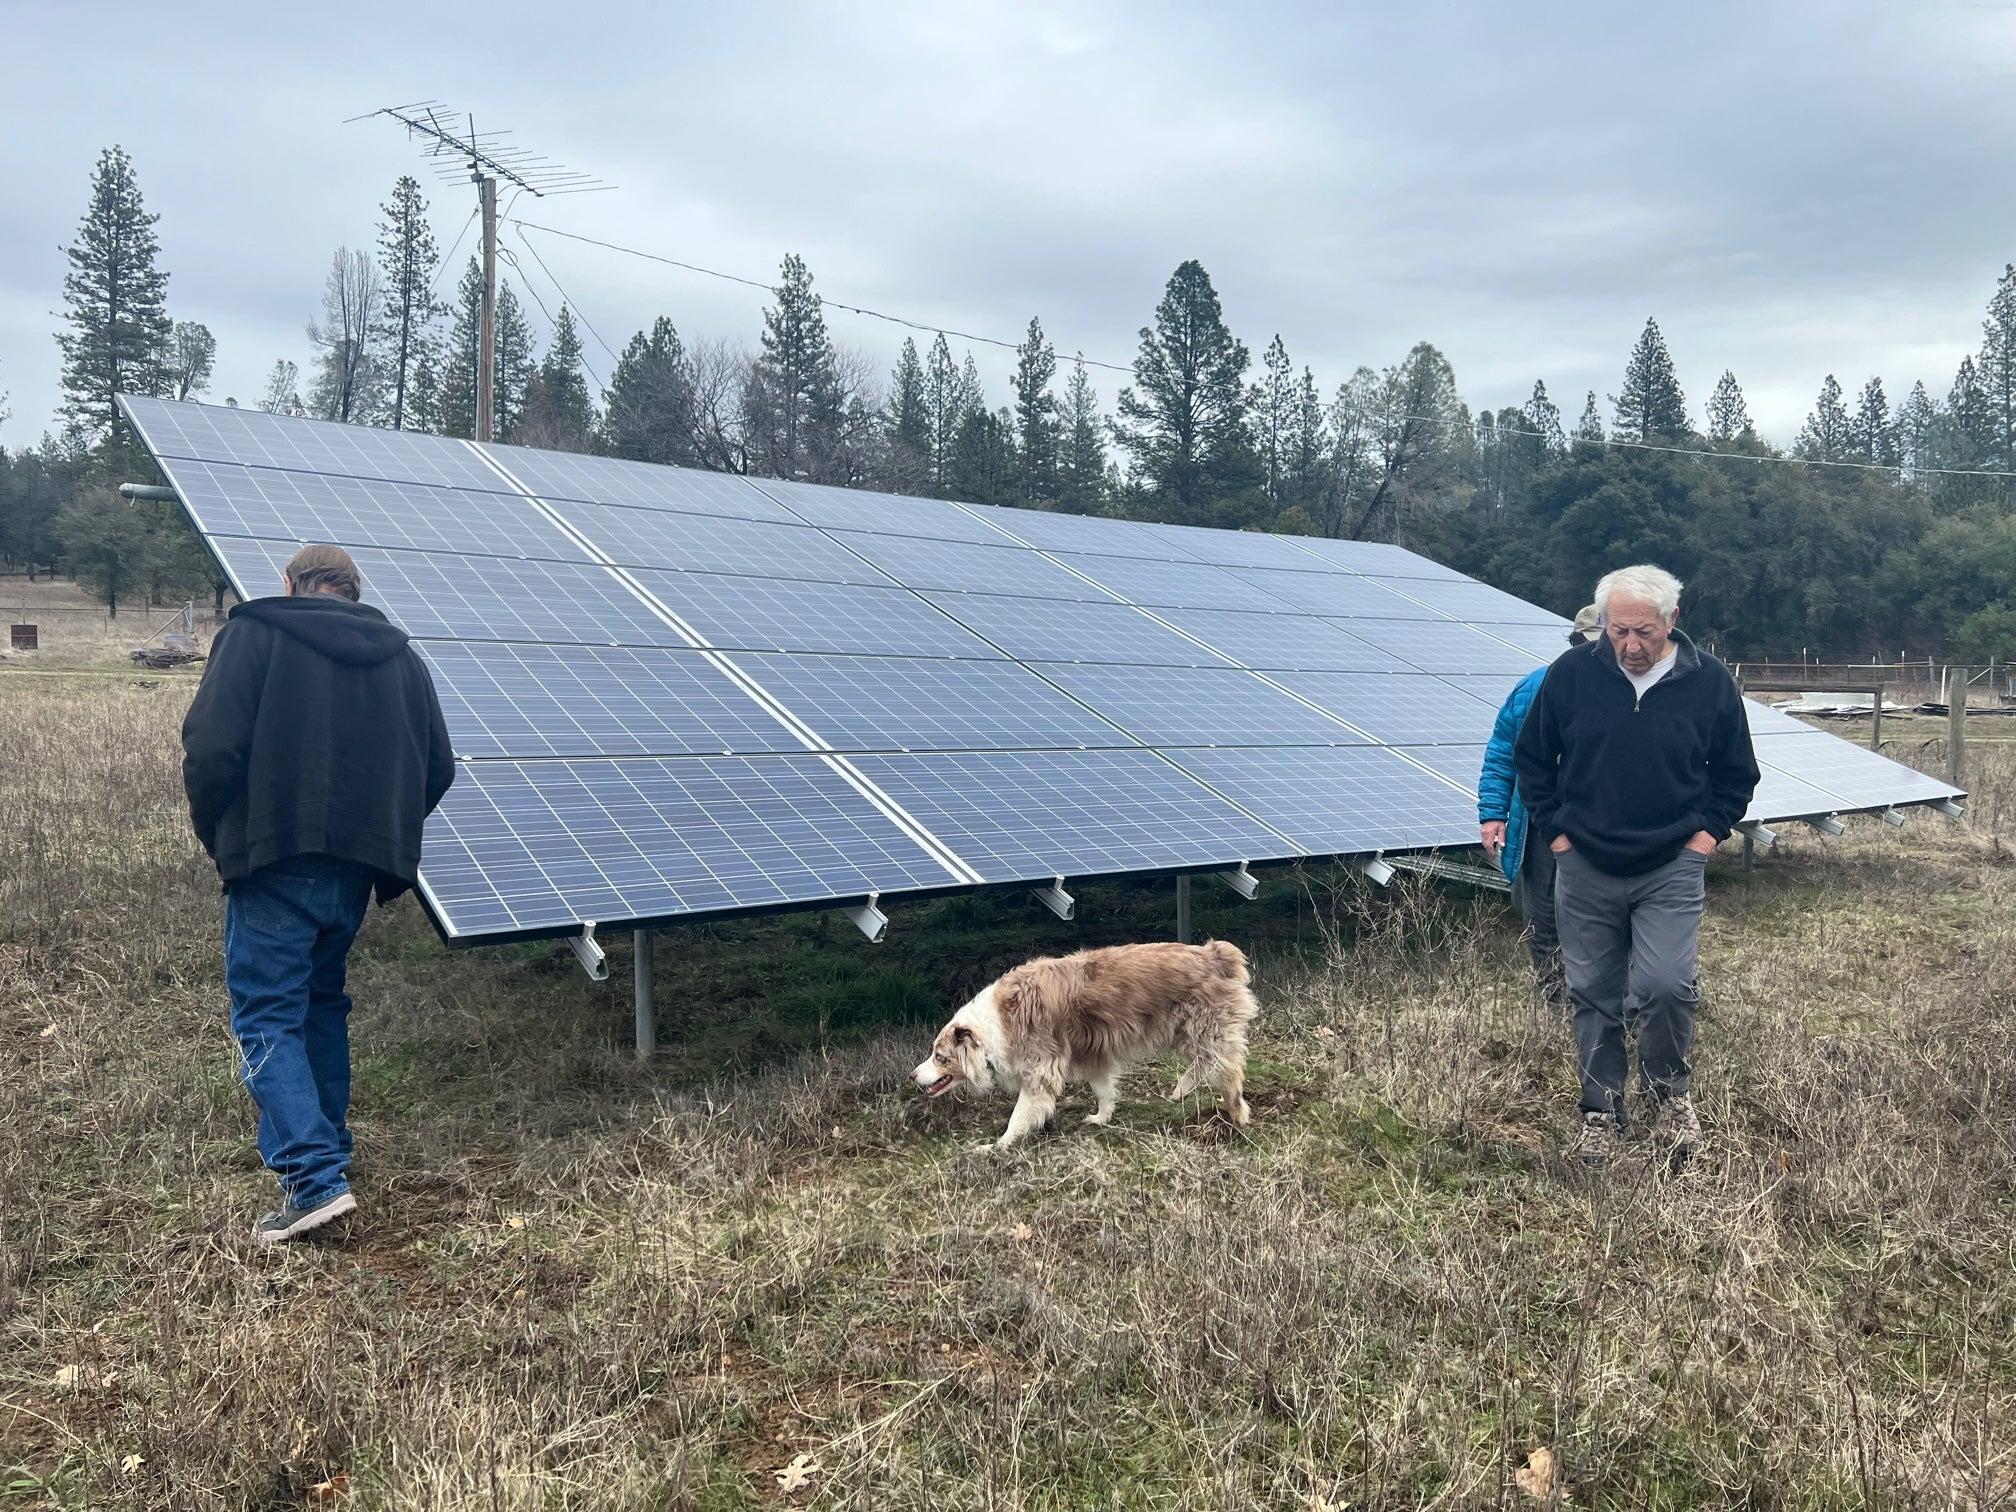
[
  {"x": 1601, "y": 1139},
  {"x": 1679, "y": 1125},
  {"x": 291, "y": 1222}
]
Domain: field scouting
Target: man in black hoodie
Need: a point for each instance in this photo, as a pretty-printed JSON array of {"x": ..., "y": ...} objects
[
  {"x": 312, "y": 755},
  {"x": 1635, "y": 763}
]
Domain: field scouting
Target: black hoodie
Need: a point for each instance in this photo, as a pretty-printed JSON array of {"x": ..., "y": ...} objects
[
  {"x": 316, "y": 732},
  {"x": 1630, "y": 780}
]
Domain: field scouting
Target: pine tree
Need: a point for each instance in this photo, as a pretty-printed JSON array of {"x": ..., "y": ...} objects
[
  {"x": 1273, "y": 403},
  {"x": 346, "y": 374},
  {"x": 1035, "y": 420},
  {"x": 1825, "y": 436},
  {"x": 1542, "y": 416},
  {"x": 517, "y": 360},
  {"x": 1651, "y": 408},
  {"x": 908, "y": 422},
  {"x": 1871, "y": 434},
  {"x": 1996, "y": 373},
  {"x": 795, "y": 405},
  {"x": 458, "y": 378},
  {"x": 1917, "y": 430},
  {"x": 649, "y": 412},
  {"x": 407, "y": 259},
  {"x": 1590, "y": 426},
  {"x": 569, "y": 409},
  {"x": 424, "y": 395},
  {"x": 192, "y": 353},
  {"x": 1083, "y": 474},
  {"x": 115, "y": 302},
  {"x": 1307, "y": 459},
  {"x": 983, "y": 457},
  {"x": 1185, "y": 429},
  {"x": 1728, "y": 415},
  {"x": 946, "y": 401}
]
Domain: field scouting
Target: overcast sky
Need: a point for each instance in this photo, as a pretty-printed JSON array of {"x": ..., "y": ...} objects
[{"x": 1791, "y": 189}]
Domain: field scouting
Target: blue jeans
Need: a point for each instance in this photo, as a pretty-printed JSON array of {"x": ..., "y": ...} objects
[{"x": 287, "y": 934}]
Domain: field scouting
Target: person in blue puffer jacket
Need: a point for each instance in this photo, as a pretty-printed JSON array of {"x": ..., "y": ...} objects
[{"x": 1502, "y": 827}]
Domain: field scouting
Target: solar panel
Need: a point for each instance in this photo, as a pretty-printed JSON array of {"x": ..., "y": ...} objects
[
  {"x": 227, "y": 500},
  {"x": 1397, "y": 708},
  {"x": 1168, "y": 706},
  {"x": 1338, "y": 800},
  {"x": 504, "y": 699},
  {"x": 674, "y": 692},
  {"x": 1074, "y": 629},
  {"x": 963, "y": 566},
  {"x": 707, "y": 543},
  {"x": 763, "y": 614},
  {"x": 519, "y": 847},
  {"x": 1282, "y": 642},
  {"x": 907, "y": 703},
  {"x": 863, "y": 509},
  {"x": 1334, "y": 593},
  {"x": 1020, "y": 815}
]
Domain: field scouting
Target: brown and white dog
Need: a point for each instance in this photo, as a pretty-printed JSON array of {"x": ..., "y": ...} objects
[{"x": 1084, "y": 1017}]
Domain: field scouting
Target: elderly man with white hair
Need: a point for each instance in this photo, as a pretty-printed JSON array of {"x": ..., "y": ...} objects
[{"x": 1635, "y": 763}]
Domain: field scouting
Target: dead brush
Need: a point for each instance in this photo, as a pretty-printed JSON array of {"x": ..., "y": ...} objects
[{"x": 579, "y": 1285}]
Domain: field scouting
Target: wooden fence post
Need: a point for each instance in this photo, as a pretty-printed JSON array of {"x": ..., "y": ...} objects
[
  {"x": 1956, "y": 724},
  {"x": 1876, "y": 720}
]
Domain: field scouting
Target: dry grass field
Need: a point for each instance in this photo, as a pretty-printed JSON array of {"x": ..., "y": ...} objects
[{"x": 763, "y": 1272}]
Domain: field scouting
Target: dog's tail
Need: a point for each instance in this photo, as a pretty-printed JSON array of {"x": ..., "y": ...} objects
[{"x": 1228, "y": 960}]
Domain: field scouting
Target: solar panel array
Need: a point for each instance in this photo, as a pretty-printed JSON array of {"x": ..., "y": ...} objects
[{"x": 677, "y": 693}]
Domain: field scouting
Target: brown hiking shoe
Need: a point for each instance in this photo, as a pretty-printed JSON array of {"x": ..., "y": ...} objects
[
  {"x": 1679, "y": 1124},
  {"x": 1601, "y": 1139}
]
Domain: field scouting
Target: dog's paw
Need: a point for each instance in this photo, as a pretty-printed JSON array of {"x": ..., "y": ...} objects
[{"x": 1098, "y": 1120}]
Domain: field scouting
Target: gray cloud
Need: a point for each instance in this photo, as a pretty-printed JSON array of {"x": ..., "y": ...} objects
[{"x": 1791, "y": 189}]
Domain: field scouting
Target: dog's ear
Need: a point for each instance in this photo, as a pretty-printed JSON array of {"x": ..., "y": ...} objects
[{"x": 961, "y": 1035}]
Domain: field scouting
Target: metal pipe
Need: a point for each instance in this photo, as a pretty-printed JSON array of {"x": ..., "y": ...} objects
[{"x": 647, "y": 1017}]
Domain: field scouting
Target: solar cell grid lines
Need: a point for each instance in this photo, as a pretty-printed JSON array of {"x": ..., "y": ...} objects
[
  {"x": 225, "y": 499},
  {"x": 675, "y": 693},
  {"x": 884, "y": 703},
  {"x": 1158, "y": 585},
  {"x": 863, "y": 509},
  {"x": 1282, "y": 642},
  {"x": 520, "y": 847},
  {"x": 1338, "y": 800},
  {"x": 764, "y": 614},
  {"x": 1398, "y": 708},
  {"x": 1076, "y": 630},
  {"x": 969, "y": 567},
  {"x": 634, "y": 537},
  {"x": 1171, "y": 706},
  {"x": 1029, "y": 816},
  {"x": 527, "y": 700}
]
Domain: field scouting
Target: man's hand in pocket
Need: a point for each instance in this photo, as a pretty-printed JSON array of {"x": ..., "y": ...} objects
[
  {"x": 1703, "y": 843},
  {"x": 1560, "y": 845}
]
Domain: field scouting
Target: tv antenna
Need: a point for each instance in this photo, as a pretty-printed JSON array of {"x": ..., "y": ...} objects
[{"x": 459, "y": 151}]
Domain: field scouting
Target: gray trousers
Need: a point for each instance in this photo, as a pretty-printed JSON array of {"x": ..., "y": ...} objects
[
  {"x": 1533, "y": 896},
  {"x": 1635, "y": 937}
]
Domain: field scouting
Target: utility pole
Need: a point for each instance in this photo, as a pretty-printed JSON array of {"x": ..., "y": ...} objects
[
  {"x": 480, "y": 157},
  {"x": 486, "y": 330}
]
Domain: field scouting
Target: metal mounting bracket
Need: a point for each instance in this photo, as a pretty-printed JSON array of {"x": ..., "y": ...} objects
[
  {"x": 1893, "y": 817},
  {"x": 1372, "y": 869},
  {"x": 1950, "y": 809},
  {"x": 1751, "y": 830},
  {"x": 1056, "y": 899},
  {"x": 588, "y": 953},
  {"x": 1827, "y": 824},
  {"x": 1242, "y": 882},
  {"x": 869, "y": 918}
]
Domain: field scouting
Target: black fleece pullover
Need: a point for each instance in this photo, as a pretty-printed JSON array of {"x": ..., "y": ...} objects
[
  {"x": 316, "y": 731},
  {"x": 1630, "y": 780}
]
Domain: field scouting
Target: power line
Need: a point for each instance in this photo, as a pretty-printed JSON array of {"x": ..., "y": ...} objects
[{"x": 1114, "y": 367}]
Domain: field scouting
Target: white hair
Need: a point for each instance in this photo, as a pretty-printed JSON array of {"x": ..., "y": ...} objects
[{"x": 1645, "y": 583}]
